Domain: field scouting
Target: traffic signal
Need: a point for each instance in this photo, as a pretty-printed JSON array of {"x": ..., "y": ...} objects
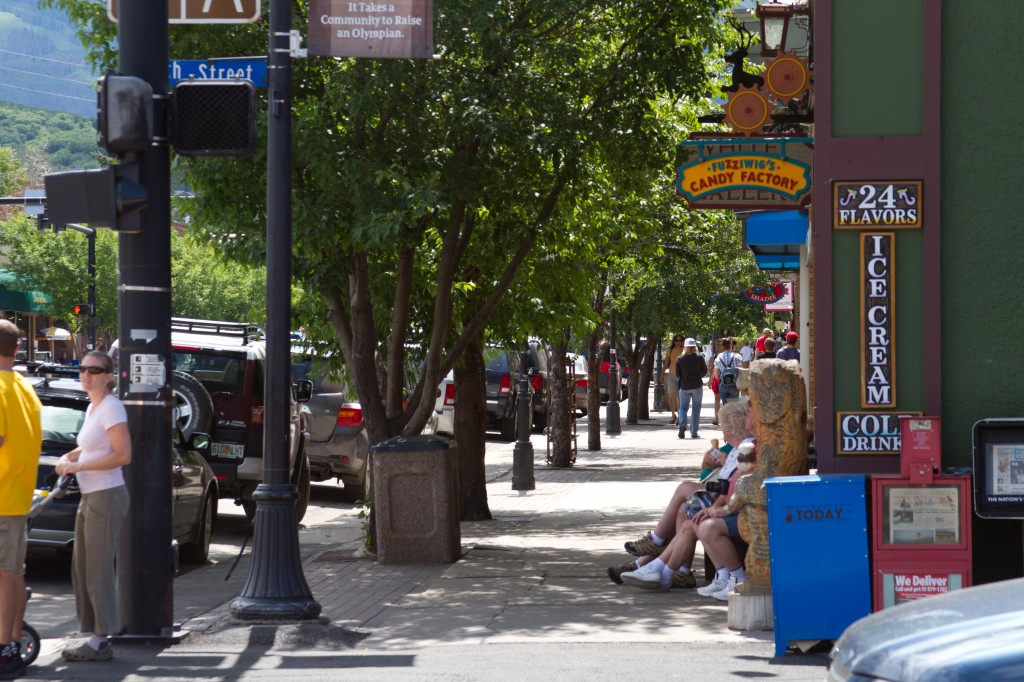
[
  {"x": 82, "y": 309},
  {"x": 97, "y": 197},
  {"x": 124, "y": 114},
  {"x": 213, "y": 118}
]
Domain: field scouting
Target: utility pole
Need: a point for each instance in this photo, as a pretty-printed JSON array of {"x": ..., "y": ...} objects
[{"x": 144, "y": 566}]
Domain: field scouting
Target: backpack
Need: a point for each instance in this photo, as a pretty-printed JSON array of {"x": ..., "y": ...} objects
[{"x": 728, "y": 372}]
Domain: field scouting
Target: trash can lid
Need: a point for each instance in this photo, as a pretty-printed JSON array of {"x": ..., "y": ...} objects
[{"x": 415, "y": 443}]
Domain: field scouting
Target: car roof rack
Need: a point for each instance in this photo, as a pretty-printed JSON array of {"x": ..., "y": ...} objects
[{"x": 246, "y": 331}]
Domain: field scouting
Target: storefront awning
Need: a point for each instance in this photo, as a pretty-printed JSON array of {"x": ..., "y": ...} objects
[
  {"x": 13, "y": 298},
  {"x": 775, "y": 237}
]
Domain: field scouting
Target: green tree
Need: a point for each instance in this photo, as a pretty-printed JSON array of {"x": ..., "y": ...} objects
[{"x": 12, "y": 174}]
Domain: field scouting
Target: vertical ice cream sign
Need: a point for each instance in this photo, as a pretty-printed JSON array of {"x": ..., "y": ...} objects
[
  {"x": 878, "y": 361},
  {"x": 403, "y": 29}
]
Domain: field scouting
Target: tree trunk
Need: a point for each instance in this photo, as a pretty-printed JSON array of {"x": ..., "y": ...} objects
[
  {"x": 639, "y": 381},
  {"x": 647, "y": 365},
  {"x": 470, "y": 384},
  {"x": 560, "y": 414}
]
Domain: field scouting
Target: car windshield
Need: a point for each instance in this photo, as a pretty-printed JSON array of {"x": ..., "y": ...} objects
[
  {"x": 61, "y": 424},
  {"x": 219, "y": 372}
]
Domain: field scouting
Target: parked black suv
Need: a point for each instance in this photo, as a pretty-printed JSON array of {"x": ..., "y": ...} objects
[
  {"x": 218, "y": 385},
  {"x": 503, "y": 368}
]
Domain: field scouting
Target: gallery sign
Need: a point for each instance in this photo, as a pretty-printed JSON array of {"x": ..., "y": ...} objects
[
  {"x": 402, "y": 29},
  {"x": 745, "y": 173},
  {"x": 877, "y": 314},
  {"x": 868, "y": 204},
  {"x": 869, "y": 433}
]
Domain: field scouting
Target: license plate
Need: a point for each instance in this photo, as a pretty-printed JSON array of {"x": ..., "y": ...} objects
[{"x": 228, "y": 450}]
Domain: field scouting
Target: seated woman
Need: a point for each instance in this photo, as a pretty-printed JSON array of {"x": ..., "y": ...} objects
[
  {"x": 717, "y": 529},
  {"x": 673, "y": 561}
]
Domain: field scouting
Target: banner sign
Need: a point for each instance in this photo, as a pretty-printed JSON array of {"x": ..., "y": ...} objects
[
  {"x": 402, "y": 29},
  {"x": 887, "y": 204},
  {"x": 877, "y": 315},
  {"x": 785, "y": 303},
  {"x": 914, "y": 586},
  {"x": 869, "y": 433},
  {"x": 745, "y": 173},
  {"x": 769, "y": 293}
]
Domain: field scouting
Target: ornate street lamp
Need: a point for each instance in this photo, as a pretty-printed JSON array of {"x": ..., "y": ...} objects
[{"x": 774, "y": 17}]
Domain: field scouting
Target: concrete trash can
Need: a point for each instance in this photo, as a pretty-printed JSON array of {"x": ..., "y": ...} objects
[{"x": 415, "y": 500}]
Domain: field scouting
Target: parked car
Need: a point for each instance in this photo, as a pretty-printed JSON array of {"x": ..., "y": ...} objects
[
  {"x": 502, "y": 369},
  {"x": 338, "y": 445},
  {"x": 442, "y": 421},
  {"x": 969, "y": 634},
  {"x": 218, "y": 388},
  {"x": 602, "y": 377},
  {"x": 581, "y": 381},
  {"x": 194, "y": 487}
]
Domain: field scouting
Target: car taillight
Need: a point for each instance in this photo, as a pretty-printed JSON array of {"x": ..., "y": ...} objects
[
  {"x": 582, "y": 383},
  {"x": 449, "y": 395},
  {"x": 257, "y": 414},
  {"x": 506, "y": 385},
  {"x": 350, "y": 416},
  {"x": 538, "y": 383}
]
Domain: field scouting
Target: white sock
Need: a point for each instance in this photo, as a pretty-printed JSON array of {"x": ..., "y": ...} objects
[
  {"x": 722, "y": 574},
  {"x": 658, "y": 540},
  {"x": 95, "y": 642},
  {"x": 657, "y": 565},
  {"x": 666, "y": 574},
  {"x": 684, "y": 570},
  {"x": 739, "y": 573}
]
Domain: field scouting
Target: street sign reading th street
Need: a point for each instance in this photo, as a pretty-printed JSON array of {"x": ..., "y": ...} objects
[
  {"x": 253, "y": 69},
  {"x": 204, "y": 11}
]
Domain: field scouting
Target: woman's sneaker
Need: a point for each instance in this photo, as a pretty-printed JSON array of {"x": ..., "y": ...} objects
[
  {"x": 647, "y": 578},
  {"x": 723, "y": 594},
  {"x": 615, "y": 572},
  {"x": 715, "y": 585},
  {"x": 84, "y": 652},
  {"x": 685, "y": 580}
]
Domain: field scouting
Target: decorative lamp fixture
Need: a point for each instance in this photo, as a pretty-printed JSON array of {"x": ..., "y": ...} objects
[{"x": 774, "y": 17}]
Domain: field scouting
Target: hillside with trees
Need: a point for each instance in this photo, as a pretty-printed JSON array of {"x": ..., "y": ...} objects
[{"x": 48, "y": 141}]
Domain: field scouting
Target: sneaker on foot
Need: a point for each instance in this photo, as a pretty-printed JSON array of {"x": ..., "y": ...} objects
[
  {"x": 723, "y": 594},
  {"x": 714, "y": 586},
  {"x": 644, "y": 545},
  {"x": 646, "y": 577},
  {"x": 685, "y": 580},
  {"x": 615, "y": 573},
  {"x": 84, "y": 652}
]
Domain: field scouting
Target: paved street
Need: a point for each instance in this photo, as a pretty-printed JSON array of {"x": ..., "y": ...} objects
[{"x": 529, "y": 598}]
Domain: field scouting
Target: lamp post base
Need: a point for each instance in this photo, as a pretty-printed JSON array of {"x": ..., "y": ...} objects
[{"x": 276, "y": 587}]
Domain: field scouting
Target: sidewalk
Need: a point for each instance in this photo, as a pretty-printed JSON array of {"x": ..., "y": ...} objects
[{"x": 535, "y": 576}]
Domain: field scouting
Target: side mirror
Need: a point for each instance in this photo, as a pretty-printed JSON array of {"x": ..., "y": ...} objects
[
  {"x": 303, "y": 390},
  {"x": 200, "y": 442}
]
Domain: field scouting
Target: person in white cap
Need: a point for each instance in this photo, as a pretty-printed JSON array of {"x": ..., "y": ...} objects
[{"x": 690, "y": 370}]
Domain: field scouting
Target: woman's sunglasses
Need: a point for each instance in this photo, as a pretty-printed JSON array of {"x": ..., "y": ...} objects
[
  {"x": 677, "y": 339},
  {"x": 91, "y": 369}
]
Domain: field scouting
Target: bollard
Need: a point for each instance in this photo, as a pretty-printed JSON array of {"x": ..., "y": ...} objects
[{"x": 522, "y": 454}]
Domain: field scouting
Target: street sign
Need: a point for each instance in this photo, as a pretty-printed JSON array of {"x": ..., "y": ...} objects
[
  {"x": 204, "y": 11},
  {"x": 254, "y": 70}
]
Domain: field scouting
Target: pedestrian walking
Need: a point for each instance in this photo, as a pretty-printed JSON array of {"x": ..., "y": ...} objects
[
  {"x": 671, "y": 382},
  {"x": 690, "y": 371},
  {"x": 727, "y": 366},
  {"x": 104, "y": 446},
  {"x": 21, "y": 436},
  {"x": 790, "y": 352}
]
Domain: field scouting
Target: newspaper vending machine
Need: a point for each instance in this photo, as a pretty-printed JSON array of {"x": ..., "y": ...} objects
[{"x": 921, "y": 522}]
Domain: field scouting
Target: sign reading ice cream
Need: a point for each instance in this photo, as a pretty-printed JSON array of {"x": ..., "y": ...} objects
[{"x": 712, "y": 174}]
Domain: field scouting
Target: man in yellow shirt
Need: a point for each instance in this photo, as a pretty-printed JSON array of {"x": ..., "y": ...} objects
[{"x": 21, "y": 437}]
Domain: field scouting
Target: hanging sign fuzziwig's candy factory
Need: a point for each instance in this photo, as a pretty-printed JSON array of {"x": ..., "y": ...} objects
[{"x": 785, "y": 177}]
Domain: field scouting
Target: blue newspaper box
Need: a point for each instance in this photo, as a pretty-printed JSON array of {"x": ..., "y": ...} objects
[{"x": 818, "y": 544}]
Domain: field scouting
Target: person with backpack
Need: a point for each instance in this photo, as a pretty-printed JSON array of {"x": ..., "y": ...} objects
[{"x": 727, "y": 366}]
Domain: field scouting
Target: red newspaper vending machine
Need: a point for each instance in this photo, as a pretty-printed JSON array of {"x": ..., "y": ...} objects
[{"x": 921, "y": 522}]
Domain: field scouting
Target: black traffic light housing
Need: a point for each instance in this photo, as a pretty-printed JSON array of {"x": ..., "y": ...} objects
[
  {"x": 124, "y": 114},
  {"x": 213, "y": 118},
  {"x": 98, "y": 197},
  {"x": 82, "y": 309}
]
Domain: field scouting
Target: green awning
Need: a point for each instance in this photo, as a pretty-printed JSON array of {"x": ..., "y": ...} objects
[{"x": 13, "y": 298}]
